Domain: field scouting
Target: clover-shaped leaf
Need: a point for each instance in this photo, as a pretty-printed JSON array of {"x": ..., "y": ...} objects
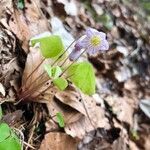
[
  {"x": 56, "y": 72},
  {"x": 8, "y": 139},
  {"x": 82, "y": 75},
  {"x": 51, "y": 46},
  {"x": 61, "y": 83},
  {"x": 48, "y": 69}
]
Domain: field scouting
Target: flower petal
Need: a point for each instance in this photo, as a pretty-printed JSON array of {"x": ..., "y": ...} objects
[
  {"x": 91, "y": 31},
  {"x": 74, "y": 55},
  {"x": 102, "y": 35},
  {"x": 85, "y": 42},
  {"x": 92, "y": 50},
  {"x": 104, "y": 45}
]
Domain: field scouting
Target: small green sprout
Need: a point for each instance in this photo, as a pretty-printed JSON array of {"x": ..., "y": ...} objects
[
  {"x": 60, "y": 119},
  {"x": 21, "y": 4},
  {"x": 8, "y": 138}
]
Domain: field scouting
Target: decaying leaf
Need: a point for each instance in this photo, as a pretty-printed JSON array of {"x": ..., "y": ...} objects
[
  {"x": 28, "y": 24},
  {"x": 145, "y": 106},
  {"x": 2, "y": 89},
  {"x": 70, "y": 115},
  {"x": 85, "y": 125},
  {"x": 79, "y": 117},
  {"x": 122, "y": 107},
  {"x": 12, "y": 118},
  {"x": 58, "y": 141}
]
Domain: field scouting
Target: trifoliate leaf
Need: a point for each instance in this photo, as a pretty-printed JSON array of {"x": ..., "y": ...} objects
[
  {"x": 60, "y": 119},
  {"x": 51, "y": 46},
  {"x": 48, "y": 69},
  {"x": 60, "y": 83},
  {"x": 56, "y": 72},
  {"x": 8, "y": 139},
  {"x": 4, "y": 131},
  {"x": 82, "y": 75}
]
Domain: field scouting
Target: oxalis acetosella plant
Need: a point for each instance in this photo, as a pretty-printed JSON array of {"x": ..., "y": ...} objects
[
  {"x": 60, "y": 71},
  {"x": 65, "y": 67}
]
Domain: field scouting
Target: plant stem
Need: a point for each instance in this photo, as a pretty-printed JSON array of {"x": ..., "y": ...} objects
[
  {"x": 33, "y": 89},
  {"x": 51, "y": 65},
  {"x": 34, "y": 71},
  {"x": 63, "y": 53},
  {"x": 73, "y": 62}
]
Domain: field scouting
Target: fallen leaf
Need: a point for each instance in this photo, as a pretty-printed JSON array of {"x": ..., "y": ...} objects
[
  {"x": 145, "y": 106},
  {"x": 69, "y": 6},
  {"x": 95, "y": 118},
  {"x": 58, "y": 141},
  {"x": 2, "y": 89},
  {"x": 29, "y": 23},
  {"x": 122, "y": 107},
  {"x": 70, "y": 115}
]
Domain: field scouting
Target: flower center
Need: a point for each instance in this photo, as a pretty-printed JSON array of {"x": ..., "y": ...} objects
[{"x": 95, "y": 40}]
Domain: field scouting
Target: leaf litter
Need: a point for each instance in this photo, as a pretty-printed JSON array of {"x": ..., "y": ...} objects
[{"x": 122, "y": 76}]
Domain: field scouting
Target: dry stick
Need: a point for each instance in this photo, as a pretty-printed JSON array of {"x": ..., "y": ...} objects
[{"x": 51, "y": 65}]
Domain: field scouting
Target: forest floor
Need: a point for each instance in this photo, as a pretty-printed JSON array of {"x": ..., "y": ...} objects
[{"x": 121, "y": 106}]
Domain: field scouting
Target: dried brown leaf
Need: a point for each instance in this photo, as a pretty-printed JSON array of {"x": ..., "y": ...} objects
[
  {"x": 29, "y": 23},
  {"x": 2, "y": 89},
  {"x": 95, "y": 118},
  {"x": 58, "y": 141},
  {"x": 122, "y": 107},
  {"x": 70, "y": 115}
]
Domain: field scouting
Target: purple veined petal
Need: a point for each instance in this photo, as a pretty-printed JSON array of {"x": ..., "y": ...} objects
[
  {"x": 104, "y": 45},
  {"x": 91, "y": 31},
  {"x": 74, "y": 55},
  {"x": 102, "y": 35},
  {"x": 78, "y": 46},
  {"x": 92, "y": 50},
  {"x": 85, "y": 42}
]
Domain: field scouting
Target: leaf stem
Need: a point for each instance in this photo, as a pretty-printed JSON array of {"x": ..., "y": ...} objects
[
  {"x": 73, "y": 62},
  {"x": 33, "y": 72},
  {"x": 44, "y": 71}
]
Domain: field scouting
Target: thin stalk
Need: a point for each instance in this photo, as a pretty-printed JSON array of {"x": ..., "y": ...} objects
[
  {"x": 34, "y": 70},
  {"x": 63, "y": 53},
  {"x": 87, "y": 112},
  {"x": 33, "y": 89},
  {"x": 50, "y": 86},
  {"x": 73, "y": 62},
  {"x": 51, "y": 65}
]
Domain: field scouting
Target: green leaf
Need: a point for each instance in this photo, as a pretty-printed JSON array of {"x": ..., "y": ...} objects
[
  {"x": 48, "y": 69},
  {"x": 60, "y": 119},
  {"x": 8, "y": 139},
  {"x": 82, "y": 75},
  {"x": 60, "y": 83},
  {"x": 21, "y": 4},
  {"x": 51, "y": 46},
  {"x": 4, "y": 131},
  {"x": 1, "y": 113},
  {"x": 56, "y": 72}
]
